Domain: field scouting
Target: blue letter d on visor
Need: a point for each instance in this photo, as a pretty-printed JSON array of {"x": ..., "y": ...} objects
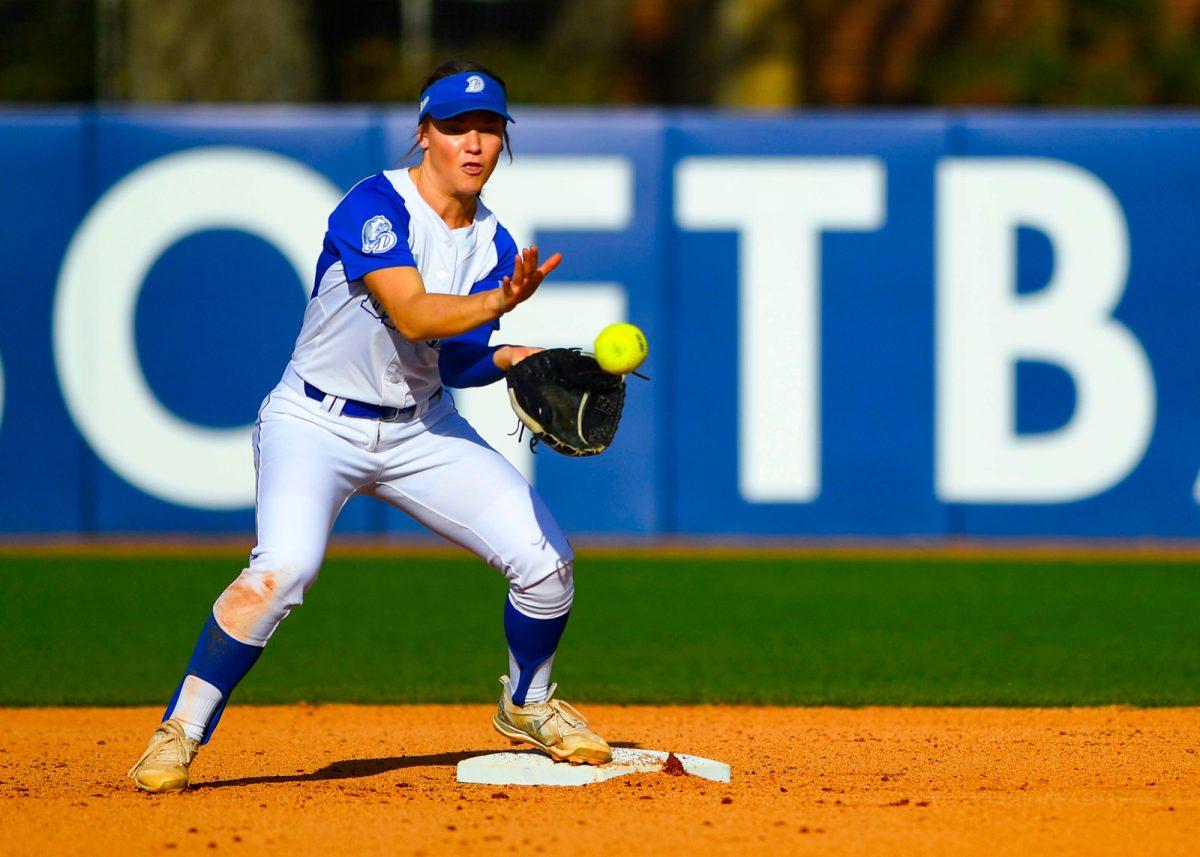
[{"x": 462, "y": 93}]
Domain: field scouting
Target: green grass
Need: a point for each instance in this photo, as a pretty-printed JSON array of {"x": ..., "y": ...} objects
[{"x": 822, "y": 631}]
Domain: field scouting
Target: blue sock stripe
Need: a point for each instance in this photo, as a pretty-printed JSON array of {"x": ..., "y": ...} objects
[
  {"x": 532, "y": 642},
  {"x": 219, "y": 660}
]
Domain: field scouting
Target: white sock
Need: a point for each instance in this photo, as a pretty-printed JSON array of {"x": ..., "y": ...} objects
[
  {"x": 539, "y": 688},
  {"x": 197, "y": 701}
]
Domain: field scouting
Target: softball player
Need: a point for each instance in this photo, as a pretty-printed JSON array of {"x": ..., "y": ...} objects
[{"x": 411, "y": 282}]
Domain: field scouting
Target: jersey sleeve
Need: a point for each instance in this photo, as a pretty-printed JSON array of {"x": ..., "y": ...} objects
[
  {"x": 369, "y": 230},
  {"x": 506, "y": 260},
  {"x": 467, "y": 359}
]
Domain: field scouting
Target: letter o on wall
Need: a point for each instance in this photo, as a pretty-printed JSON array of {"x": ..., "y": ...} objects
[{"x": 274, "y": 197}]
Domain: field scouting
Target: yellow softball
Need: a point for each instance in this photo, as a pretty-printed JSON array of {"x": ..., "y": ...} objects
[{"x": 621, "y": 348}]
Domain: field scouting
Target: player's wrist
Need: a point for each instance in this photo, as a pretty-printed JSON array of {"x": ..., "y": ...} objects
[
  {"x": 514, "y": 354},
  {"x": 495, "y": 303}
]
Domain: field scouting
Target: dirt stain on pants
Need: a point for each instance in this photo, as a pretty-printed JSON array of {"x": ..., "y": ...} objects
[{"x": 250, "y": 609}]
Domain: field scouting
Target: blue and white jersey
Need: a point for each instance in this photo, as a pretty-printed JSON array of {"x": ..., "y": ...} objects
[{"x": 347, "y": 345}]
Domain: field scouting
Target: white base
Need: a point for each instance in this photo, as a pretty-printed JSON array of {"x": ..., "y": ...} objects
[{"x": 531, "y": 768}]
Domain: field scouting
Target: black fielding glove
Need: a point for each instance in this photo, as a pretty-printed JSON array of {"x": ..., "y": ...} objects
[{"x": 567, "y": 401}]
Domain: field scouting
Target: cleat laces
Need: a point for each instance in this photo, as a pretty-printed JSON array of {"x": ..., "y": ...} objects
[
  {"x": 559, "y": 713},
  {"x": 169, "y": 746}
]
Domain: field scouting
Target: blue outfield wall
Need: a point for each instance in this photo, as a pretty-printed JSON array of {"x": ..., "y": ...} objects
[{"x": 878, "y": 324}]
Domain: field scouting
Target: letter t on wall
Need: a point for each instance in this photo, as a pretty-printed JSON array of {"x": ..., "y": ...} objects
[{"x": 779, "y": 207}]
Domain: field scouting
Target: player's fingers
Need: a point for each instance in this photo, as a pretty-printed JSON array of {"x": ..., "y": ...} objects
[
  {"x": 507, "y": 292},
  {"x": 521, "y": 269},
  {"x": 519, "y": 289},
  {"x": 531, "y": 286},
  {"x": 550, "y": 264}
]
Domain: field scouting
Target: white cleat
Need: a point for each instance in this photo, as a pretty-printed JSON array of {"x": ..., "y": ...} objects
[
  {"x": 163, "y": 767},
  {"x": 554, "y": 727}
]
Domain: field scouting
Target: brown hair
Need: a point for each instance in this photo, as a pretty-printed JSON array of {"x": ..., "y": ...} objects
[{"x": 446, "y": 69}]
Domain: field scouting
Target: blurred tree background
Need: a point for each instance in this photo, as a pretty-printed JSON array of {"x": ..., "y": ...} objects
[{"x": 756, "y": 53}]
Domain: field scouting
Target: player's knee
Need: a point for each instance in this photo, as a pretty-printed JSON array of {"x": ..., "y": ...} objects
[
  {"x": 256, "y": 602},
  {"x": 544, "y": 589}
]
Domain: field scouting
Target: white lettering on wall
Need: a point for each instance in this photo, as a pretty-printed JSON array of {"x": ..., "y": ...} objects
[
  {"x": 984, "y": 327},
  {"x": 276, "y": 198},
  {"x": 779, "y": 207},
  {"x": 563, "y": 194}
]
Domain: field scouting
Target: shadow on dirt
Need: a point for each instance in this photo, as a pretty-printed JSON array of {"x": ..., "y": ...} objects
[
  {"x": 353, "y": 768},
  {"x": 350, "y": 769}
]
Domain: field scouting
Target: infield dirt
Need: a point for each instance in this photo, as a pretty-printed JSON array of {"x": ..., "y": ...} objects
[{"x": 349, "y": 779}]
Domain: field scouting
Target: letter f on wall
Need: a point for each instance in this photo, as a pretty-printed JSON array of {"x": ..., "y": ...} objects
[{"x": 984, "y": 327}]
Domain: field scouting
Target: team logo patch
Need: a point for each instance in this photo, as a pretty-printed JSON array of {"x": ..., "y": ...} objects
[
  {"x": 424, "y": 101},
  {"x": 377, "y": 235},
  {"x": 474, "y": 83}
]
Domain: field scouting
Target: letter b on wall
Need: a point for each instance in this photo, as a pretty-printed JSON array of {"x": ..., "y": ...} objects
[{"x": 984, "y": 327}]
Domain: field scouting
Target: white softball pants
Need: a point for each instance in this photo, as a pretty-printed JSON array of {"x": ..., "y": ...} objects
[{"x": 311, "y": 461}]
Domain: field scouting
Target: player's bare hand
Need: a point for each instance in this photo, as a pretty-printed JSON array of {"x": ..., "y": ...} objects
[
  {"x": 508, "y": 356},
  {"x": 527, "y": 275}
]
